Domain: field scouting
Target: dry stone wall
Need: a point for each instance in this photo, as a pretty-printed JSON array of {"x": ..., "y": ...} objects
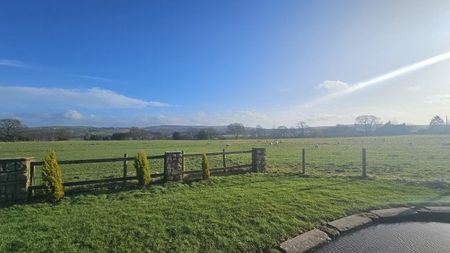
[
  {"x": 14, "y": 180},
  {"x": 173, "y": 165},
  {"x": 259, "y": 159}
]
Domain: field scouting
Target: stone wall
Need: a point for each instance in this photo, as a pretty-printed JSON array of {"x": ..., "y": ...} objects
[
  {"x": 14, "y": 180},
  {"x": 173, "y": 165},
  {"x": 259, "y": 159}
]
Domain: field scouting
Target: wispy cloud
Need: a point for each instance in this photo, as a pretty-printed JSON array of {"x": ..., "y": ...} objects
[
  {"x": 93, "y": 98},
  {"x": 384, "y": 77},
  {"x": 333, "y": 86},
  {"x": 439, "y": 99},
  {"x": 415, "y": 88},
  {"x": 12, "y": 63},
  {"x": 96, "y": 78}
]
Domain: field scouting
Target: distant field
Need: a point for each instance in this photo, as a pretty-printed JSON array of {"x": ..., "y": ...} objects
[{"x": 414, "y": 158}]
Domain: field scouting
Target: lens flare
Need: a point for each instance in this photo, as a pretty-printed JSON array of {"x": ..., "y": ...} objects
[{"x": 384, "y": 77}]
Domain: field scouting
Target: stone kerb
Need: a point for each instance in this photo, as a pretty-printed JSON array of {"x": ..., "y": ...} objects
[{"x": 317, "y": 237}]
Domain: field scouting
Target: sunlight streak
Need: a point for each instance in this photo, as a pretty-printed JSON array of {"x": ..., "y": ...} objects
[{"x": 384, "y": 77}]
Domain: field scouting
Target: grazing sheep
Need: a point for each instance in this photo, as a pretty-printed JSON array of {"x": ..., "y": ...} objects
[{"x": 316, "y": 146}]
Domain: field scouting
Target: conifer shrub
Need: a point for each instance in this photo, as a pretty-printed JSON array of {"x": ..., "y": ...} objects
[
  {"x": 142, "y": 166},
  {"x": 205, "y": 167},
  {"x": 51, "y": 175}
]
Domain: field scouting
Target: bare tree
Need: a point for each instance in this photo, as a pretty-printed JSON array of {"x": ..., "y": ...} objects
[
  {"x": 283, "y": 131},
  {"x": 138, "y": 133},
  {"x": 236, "y": 129},
  {"x": 436, "y": 122},
  {"x": 260, "y": 131},
  {"x": 303, "y": 127},
  {"x": 10, "y": 129},
  {"x": 212, "y": 133},
  {"x": 366, "y": 123}
]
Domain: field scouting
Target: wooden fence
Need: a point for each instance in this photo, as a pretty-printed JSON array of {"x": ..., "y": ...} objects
[{"x": 257, "y": 164}]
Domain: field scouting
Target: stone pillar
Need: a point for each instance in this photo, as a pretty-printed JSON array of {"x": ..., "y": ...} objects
[
  {"x": 173, "y": 166},
  {"x": 14, "y": 180},
  {"x": 259, "y": 159}
]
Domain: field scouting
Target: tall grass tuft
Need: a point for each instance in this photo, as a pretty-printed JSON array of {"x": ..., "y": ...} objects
[
  {"x": 51, "y": 175},
  {"x": 205, "y": 167},
  {"x": 142, "y": 166}
]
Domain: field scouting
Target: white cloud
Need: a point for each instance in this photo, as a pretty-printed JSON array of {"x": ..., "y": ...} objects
[
  {"x": 440, "y": 99},
  {"x": 333, "y": 86},
  {"x": 73, "y": 115},
  {"x": 415, "y": 88},
  {"x": 247, "y": 117},
  {"x": 93, "y": 98},
  {"x": 11, "y": 63},
  {"x": 252, "y": 115}
]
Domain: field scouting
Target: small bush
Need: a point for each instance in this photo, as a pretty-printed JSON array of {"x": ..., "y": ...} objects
[
  {"x": 205, "y": 167},
  {"x": 142, "y": 166},
  {"x": 51, "y": 175}
]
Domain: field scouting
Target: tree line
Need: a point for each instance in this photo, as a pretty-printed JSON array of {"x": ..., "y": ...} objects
[{"x": 364, "y": 125}]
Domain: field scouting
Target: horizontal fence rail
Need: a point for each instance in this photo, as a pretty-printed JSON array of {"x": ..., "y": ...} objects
[
  {"x": 100, "y": 171},
  {"x": 99, "y": 160},
  {"x": 220, "y": 153}
]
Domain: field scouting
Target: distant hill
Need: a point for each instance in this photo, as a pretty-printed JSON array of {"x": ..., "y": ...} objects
[
  {"x": 169, "y": 129},
  {"x": 213, "y": 132}
]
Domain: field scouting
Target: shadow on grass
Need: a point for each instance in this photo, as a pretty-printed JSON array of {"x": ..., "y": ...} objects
[
  {"x": 437, "y": 198},
  {"x": 95, "y": 189},
  {"x": 39, "y": 195},
  {"x": 242, "y": 180}
]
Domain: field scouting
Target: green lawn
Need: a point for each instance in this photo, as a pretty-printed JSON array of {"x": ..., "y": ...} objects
[{"x": 229, "y": 214}]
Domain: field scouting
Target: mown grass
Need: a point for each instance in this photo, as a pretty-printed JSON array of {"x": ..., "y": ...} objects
[{"x": 227, "y": 214}]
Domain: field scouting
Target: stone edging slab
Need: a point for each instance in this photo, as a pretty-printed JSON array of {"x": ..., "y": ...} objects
[
  {"x": 306, "y": 242},
  {"x": 315, "y": 238},
  {"x": 351, "y": 222}
]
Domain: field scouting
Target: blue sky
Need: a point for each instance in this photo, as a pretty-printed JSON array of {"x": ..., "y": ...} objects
[{"x": 269, "y": 63}]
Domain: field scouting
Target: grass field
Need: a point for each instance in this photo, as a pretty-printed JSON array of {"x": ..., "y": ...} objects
[
  {"x": 415, "y": 158},
  {"x": 229, "y": 214}
]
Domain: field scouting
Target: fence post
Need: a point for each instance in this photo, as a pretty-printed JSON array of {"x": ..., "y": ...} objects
[
  {"x": 364, "y": 163},
  {"x": 259, "y": 159},
  {"x": 183, "y": 164},
  {"x": 125, "y": 168},
  {"x": 303, "y": 162},
  {"x": 30, "y": 189},
  {"x": 224, "y": 161},
  {"x": 173, "y": 163}
]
